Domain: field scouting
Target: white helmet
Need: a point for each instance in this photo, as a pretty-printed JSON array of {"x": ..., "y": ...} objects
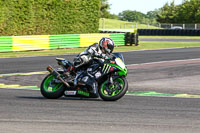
[{"x": 107, "y": 44}]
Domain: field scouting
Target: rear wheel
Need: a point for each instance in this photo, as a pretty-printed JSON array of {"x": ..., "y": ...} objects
[
  {"x": 51, "y": 88},
  {"x": 113, "y": 92}
]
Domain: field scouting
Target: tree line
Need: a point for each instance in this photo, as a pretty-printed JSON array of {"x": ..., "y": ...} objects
[
  {"x": 128, "y": 15},
  {"x": 187, "y": 12}
]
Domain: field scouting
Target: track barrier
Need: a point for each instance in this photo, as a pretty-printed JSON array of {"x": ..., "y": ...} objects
[
  {"x": 44, "y": 42},
  {"x": 168, "y": 32},
  {"x": 131, "y": 38}
]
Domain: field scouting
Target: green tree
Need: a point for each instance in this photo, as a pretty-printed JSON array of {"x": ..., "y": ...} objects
[
  {"x": 104, "y": 9},
  {"x": 168, "y": 13},
  {"x": 152, "y": 16},
  {"x": 131, "y": 16},
  {"x": 189, "y": 12},
  {"x": 105, "y": 6}
]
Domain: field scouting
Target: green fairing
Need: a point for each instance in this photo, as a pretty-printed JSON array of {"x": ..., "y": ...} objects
[{"x": 122, "y": 72}]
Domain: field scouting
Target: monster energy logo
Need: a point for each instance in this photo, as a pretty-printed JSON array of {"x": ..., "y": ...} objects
[
  {"x": 106, "y": 68},
  {"x": 83, "y": 93}
]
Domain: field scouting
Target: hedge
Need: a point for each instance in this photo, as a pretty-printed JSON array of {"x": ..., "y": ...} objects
[{"x": 44, "y": 17}]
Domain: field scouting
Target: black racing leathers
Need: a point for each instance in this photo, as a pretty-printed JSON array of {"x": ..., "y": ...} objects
[{"x": 85, "y": 56}]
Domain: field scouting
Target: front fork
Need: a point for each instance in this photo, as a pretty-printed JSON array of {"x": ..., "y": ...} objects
[
  {"x": 111, "y": 79},
  {"x": 111, "y": 85}
]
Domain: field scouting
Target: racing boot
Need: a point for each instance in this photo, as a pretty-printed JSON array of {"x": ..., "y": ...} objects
[
  {"x": 77, "y": 78},
  {"x": 94, "y": 91}
]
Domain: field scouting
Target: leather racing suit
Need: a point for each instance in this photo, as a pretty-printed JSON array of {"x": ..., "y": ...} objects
[
  {"x": 82, "y": 59},
  {"x": 85, "y": 56}
]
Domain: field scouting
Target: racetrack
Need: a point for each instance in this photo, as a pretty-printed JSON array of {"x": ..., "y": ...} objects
[{"x": 27, "y": 111}]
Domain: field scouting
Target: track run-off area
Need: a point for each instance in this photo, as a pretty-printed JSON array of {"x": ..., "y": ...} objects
[{"x": 164, "y": 96}]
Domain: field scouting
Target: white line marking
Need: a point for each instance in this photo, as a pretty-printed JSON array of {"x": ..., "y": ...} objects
[
  {"x": 163, "y": 62},
  {"x": 160, "y": 96}
]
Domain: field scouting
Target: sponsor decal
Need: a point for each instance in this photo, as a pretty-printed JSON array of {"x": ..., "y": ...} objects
[
  {"x": 70, "y": 93},
  {"x": 83, "y": 93},
  {"x": 106, "y": 68}
]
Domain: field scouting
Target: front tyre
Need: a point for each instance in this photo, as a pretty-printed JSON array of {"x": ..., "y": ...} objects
[
  {"x": 51, "y": 88},
  {"x": 113, "y": 92}
]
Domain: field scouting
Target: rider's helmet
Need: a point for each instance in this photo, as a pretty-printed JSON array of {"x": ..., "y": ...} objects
[{"x": 107, "y": 45}]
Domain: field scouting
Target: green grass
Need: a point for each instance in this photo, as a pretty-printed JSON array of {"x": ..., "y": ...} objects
[
  {"x": 163, "y": 45},
  {"x": 144, "y": 45},
  {"x": 171, "y": 37},
  {"x": 118, "y": 24}
]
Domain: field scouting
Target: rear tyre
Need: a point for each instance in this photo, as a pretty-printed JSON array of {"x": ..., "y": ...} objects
[
  {"x": 51, "y": 89},
  {"x": 115, "y": 91}
]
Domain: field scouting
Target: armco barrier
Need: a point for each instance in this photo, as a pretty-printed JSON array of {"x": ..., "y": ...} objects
[
  {"x": 24, "y": 43},
  {"x": 64, "y": 41},
  {"x": 5, "y": 44},
  {"x": 42, "y": 42},
  {"x": 168, "y": 32}
]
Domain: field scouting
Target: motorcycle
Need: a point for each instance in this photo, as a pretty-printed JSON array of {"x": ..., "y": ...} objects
[{"x": 108, "y": 76}]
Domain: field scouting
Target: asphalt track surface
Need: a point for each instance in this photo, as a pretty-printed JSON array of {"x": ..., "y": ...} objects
[
  {"x": 23, "y": 111},
  {"x": 31, "y": 64}
]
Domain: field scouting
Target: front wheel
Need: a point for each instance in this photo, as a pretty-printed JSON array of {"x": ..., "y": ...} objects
[
  {"x": 51, "y": 88},
  {"x": 113, "y": 92}
]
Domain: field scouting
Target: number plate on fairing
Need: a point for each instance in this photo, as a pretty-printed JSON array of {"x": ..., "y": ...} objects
[{"x": 70, "y": 93}]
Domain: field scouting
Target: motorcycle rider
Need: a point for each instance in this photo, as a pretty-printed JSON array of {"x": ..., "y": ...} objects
[{"x": 105, "y": 46}]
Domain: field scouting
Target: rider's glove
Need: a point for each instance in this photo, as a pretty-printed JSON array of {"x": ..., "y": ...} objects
[
  {"x": 107, "y": 58},
  {"x": 99, "y": 56}
]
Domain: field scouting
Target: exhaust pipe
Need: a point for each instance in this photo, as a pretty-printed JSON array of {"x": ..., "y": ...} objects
[{"x": 57, "y": 75}]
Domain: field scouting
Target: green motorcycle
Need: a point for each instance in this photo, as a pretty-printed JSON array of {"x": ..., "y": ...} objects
[{"x": 107, "y": 76}]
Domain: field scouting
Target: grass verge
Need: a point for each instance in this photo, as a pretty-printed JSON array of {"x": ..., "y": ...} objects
[
  {"x": 119, "y": 24},
  {"x": 144, "y": 45},
  {"x": 171, "y": 37}
]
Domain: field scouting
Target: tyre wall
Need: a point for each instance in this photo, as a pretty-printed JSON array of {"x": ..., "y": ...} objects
[{"x": 168, "y": 32}]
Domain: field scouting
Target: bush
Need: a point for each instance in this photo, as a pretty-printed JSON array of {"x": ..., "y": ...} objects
[{"x": 41, "y": 17}]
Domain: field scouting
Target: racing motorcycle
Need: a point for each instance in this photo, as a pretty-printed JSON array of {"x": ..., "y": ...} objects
[{"x": 108, "y": 76}]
